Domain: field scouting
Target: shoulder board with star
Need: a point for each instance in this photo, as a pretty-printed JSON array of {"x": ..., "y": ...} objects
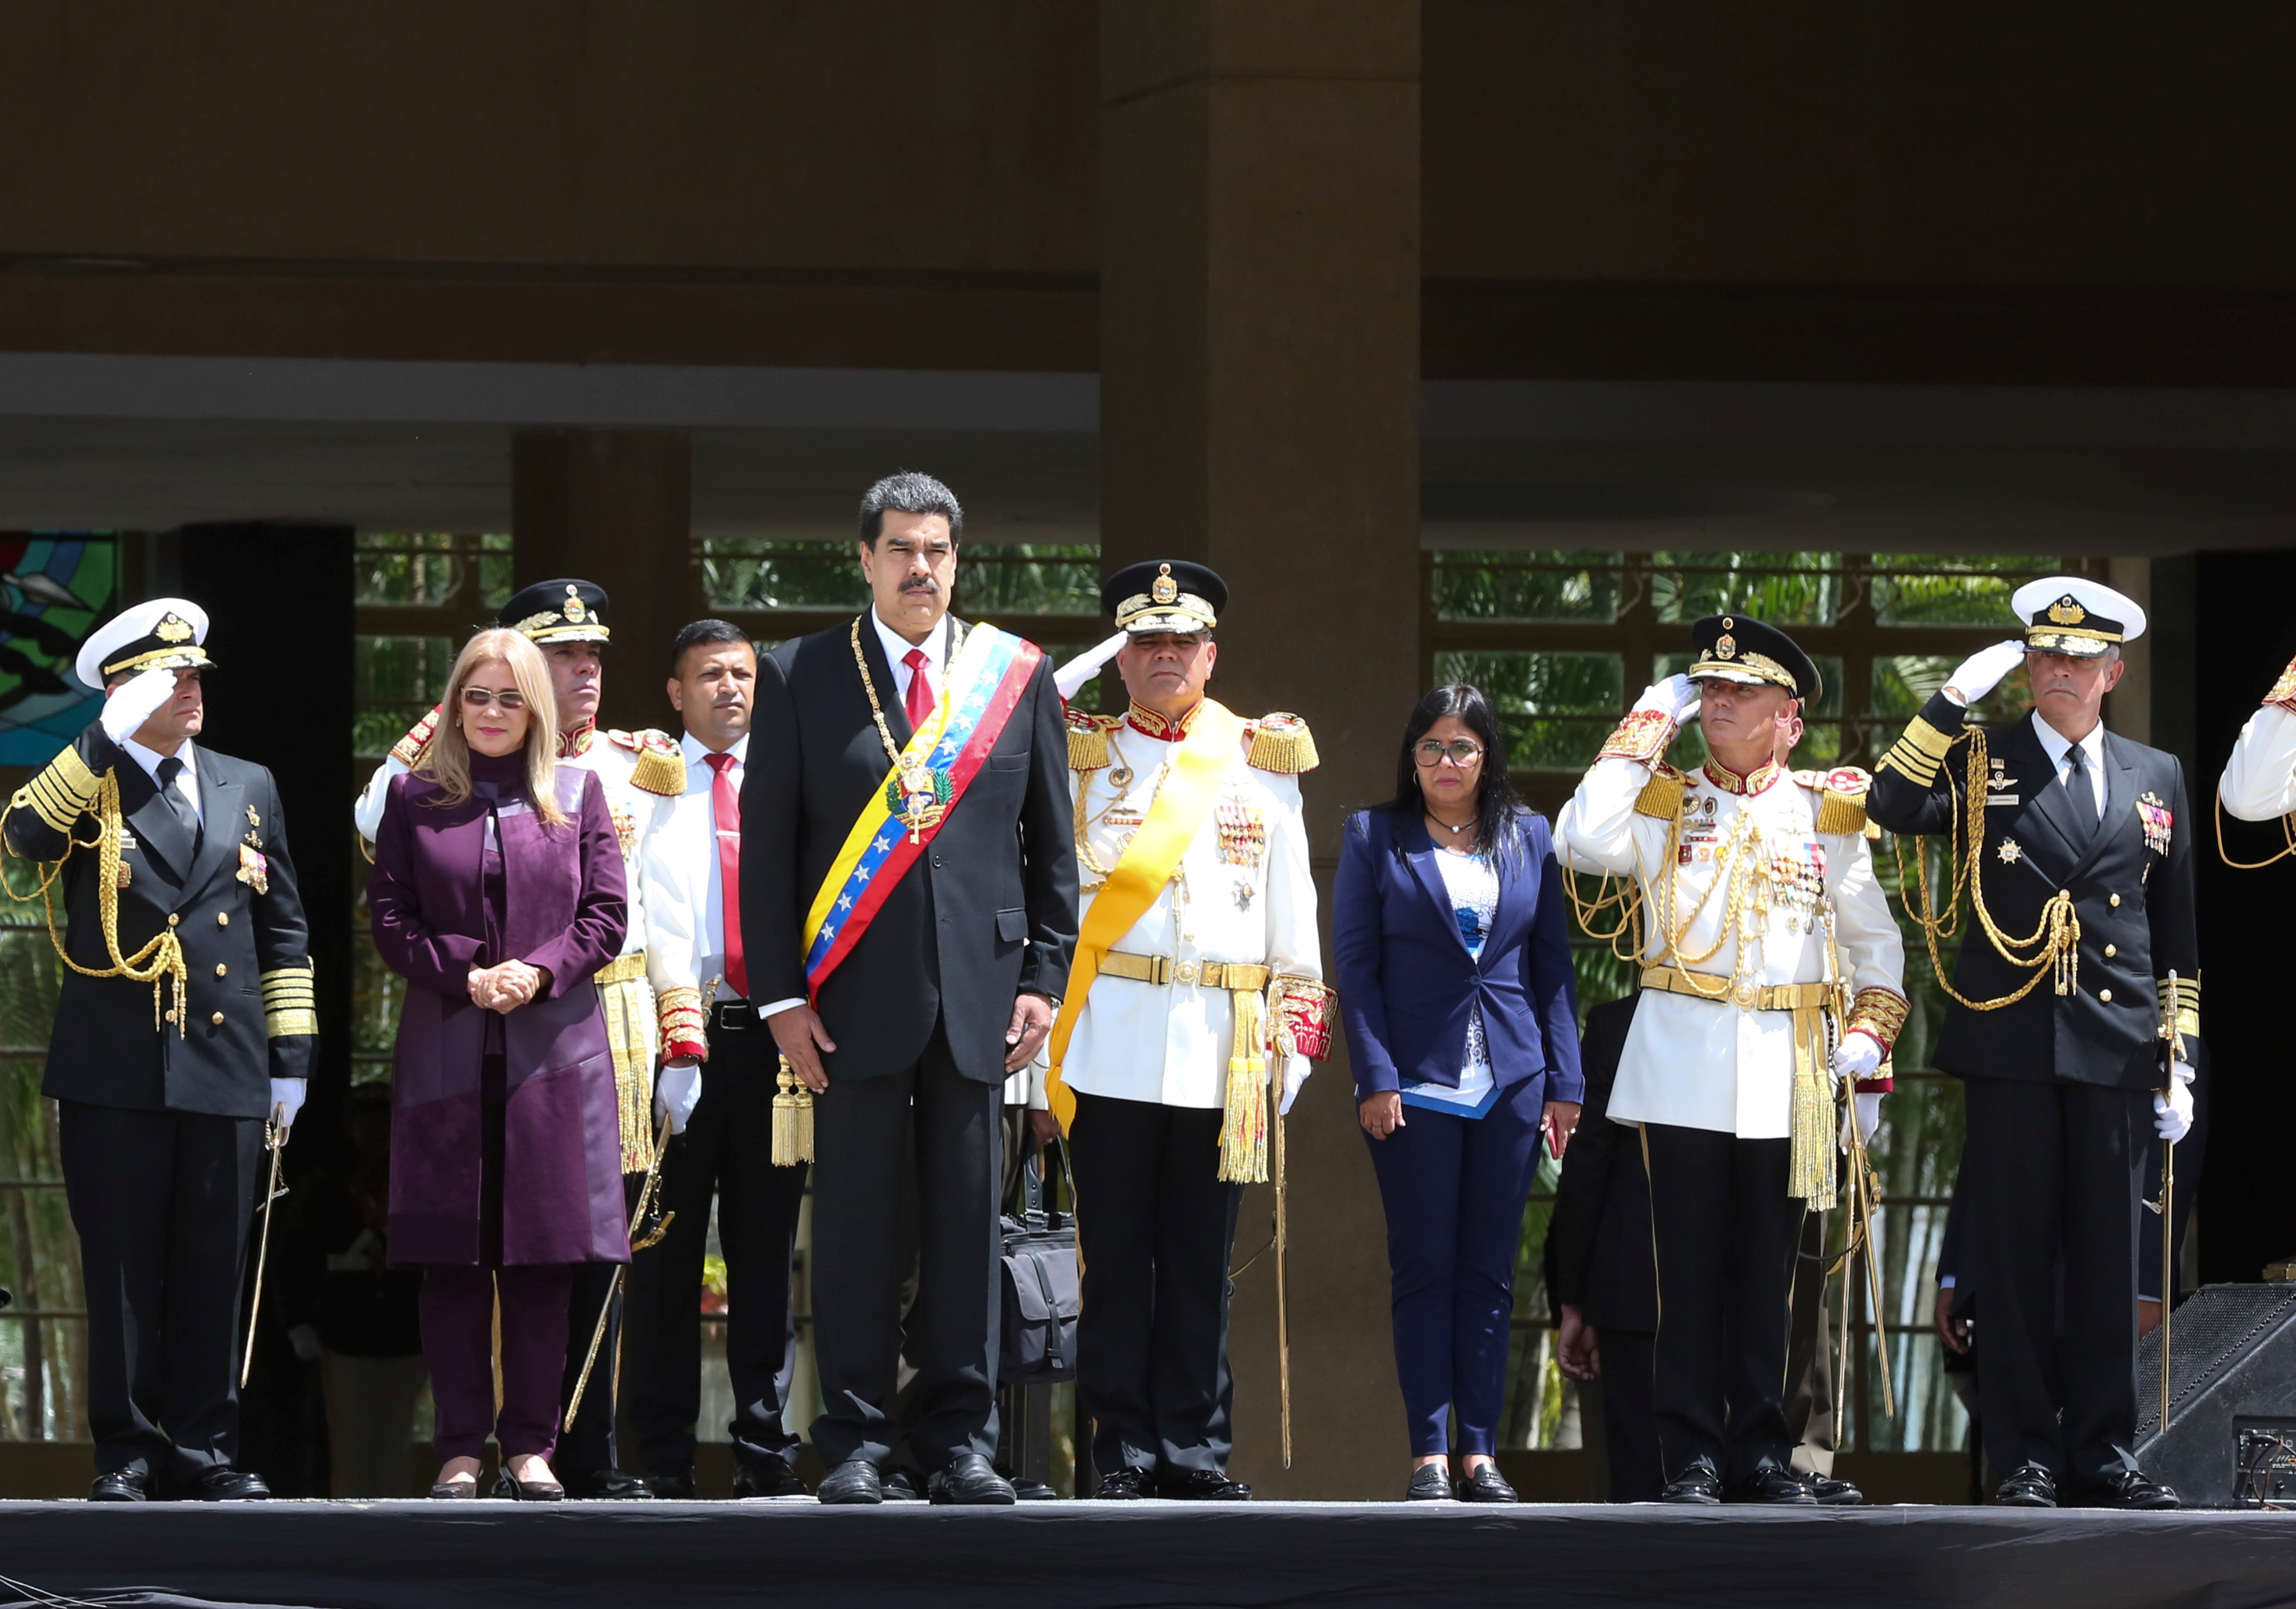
[
  {"x": 1661, "y": 796},
  {"x": 1841, "y": 798},
  {"x": 661, "y": 766},
  {"x": 1281, "y": 743},
  {"x": 1088, "y": 739}
]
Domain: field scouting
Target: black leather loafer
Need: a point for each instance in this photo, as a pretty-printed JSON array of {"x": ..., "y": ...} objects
[
  {"x": 1201, "y": 1486},
  {"x": 855, "y": 1481},
  {"x": 2130, "y": 1489},
  {"x": 121, "y": 1486},
  {"x": 675, "y": 1485},
  {"x": 972, "y": 1481},
  {"x": 2031, "y": 1487},
  {"x": 1774, "y": 1486},
  {"x": 901, "y": 1486},
  {"x": 605, "y": 1485},
  {"x": 1830, "y": 1493},
  {"x": 225, "y": 1485},
  {"x": 1120, "y": 1486},
  {"x": 1488, "y": 1486},
  {"x": 1698, "y": 1484},
  {"x": 1430, "y": 1484},
  {"x": 770, "y": 1479}
]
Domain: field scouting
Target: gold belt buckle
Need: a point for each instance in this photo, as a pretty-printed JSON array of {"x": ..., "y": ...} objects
[
  {"x": 1748, "y": 995},
  {"x": 1184, "y": 972}
]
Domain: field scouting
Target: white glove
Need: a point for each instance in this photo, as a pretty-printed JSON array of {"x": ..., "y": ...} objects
[
  {"x": 1085, "y": 666},
  {"x": 305, "y": 1339},
  {"x": 136, "y": 702},
  {"x": 1865, "y": 1107},
  {"x": 1675, "y": 699},
  {"x": 676, "y": 1092},
  {"x": 1982, "y": 671},
  {"x": 2172, "y": 1114},
  {"x": 1858, "y": 1056},
  {"x": 1296, "y": 1069},
  {"x": 287, "y": 1100}
]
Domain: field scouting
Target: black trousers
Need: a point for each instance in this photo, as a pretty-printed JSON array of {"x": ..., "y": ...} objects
[
  {"x": 1724, "y": 1231},
  {"x": 1630, "y": 1418},
  {"x": 1154, "y": 1226},
  {"x": 2053, "y": 1175},
  {"x": 162, "y": 1201},
  {"x": 726, "y": 1151},
  {"x": 931, "y": 1122}
]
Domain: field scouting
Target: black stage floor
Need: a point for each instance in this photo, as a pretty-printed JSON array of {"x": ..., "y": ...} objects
[{"x": 657, "y": 1556}]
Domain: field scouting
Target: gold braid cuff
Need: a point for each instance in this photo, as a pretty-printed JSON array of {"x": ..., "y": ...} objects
[
  {"x": 1918, "y": 752},
  {"x": 683, "y": 1025},
  {"x": 290, "y": 1001},
  {"x": 2180, "y": 1008},
  {"x": 61, "y": 794},
  {"x": 1642, "y": 737},
  {"x": 409, "y": 748},
  {"x": 2284, "y": 691},
  {"x": 1306, "y": 1009},
  {"x": 1879, "y": 1012}
]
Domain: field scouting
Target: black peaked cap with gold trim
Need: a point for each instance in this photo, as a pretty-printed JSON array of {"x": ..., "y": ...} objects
[
  {"x": 564, "y": 611},
  {"x": 1164, "y": 595},
  {"x": 1733, "y": 648}
]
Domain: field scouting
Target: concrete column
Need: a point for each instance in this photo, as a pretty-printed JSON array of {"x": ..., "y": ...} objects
[
  {"x": 613, "y": 507},
  {"x": 1259, "y": 372}
]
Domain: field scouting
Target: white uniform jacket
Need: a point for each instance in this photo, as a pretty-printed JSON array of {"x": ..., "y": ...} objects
[
  {"x": 1242, "y": 892},
  {"x": 1705, "y": 1064},
  {"x": 686, "y": 904},
  {"x": 2260, "y": 779}
]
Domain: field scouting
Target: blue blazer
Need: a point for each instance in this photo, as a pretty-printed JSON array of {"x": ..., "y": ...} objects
[{"x": 1407, "y": 982}]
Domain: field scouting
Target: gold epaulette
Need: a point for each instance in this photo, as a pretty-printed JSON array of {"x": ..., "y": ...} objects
[
  {"x": 1281, "y": 743},
  {"x": 661, "y": 762},
  {"x": 1661, "y": 796},
  {"x": 1088, "y": 740},
  {"x": 290, "y": 1001},
  {"x": 61, "y": 793},
  {"x": 409, "y": 748},
  {"x": 1841, "y": 798}
]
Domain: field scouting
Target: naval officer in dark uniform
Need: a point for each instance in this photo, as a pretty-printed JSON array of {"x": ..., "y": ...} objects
[
  {"x": 186, "y": 1019},
  {"x": 2076, "y": 989}
]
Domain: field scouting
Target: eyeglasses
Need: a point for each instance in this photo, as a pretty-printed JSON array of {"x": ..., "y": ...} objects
[
  {"x": 479, "y": 697},
  {"x": 1459, "y": 751}
]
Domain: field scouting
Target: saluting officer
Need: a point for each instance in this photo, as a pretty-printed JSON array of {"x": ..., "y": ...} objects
[
  {"x": 2260, "y": 778},
  {"x": 186, "y": 1018},
  {"x": 1768, "y": 955},
  {"x": 1197, "y": 965},
  {"x": 566, "y": 619},
  {"x": 2063, "y": 1003}
]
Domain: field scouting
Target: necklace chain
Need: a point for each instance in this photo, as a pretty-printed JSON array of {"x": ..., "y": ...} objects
[{"x": 869, "y": 686}]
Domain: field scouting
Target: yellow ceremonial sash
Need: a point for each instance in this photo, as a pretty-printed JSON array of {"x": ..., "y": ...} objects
[{"x": 1215, "y": 742}]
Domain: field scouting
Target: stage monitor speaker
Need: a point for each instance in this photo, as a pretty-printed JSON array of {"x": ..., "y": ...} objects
[{"x": 2231, "y": 1438}]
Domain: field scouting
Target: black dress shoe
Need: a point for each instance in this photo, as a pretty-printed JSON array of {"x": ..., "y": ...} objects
[
  {"x": 2031, "y": 1487},
  {"x": 1201, "y": 1486},
  {"x": 121, "y": 1486},
  {"x": 674, "y": 1485},
  {"x": 1120, "y": 1486},
  {"x": 901, "y": 1486},
  {"x": 1430, "y": 1484},
  {"x": 1488, "y": 1486},
  {"x": 2130, "y": 1489},
  {"x": 605, "y": 1485},
  {"x": 771, "y": 1479},
  {"x": 1775, "y": 1486},
  {"x": 970, "y": 1480},
  {"x": 855, "y": 1481},
  {"x": 225, "y": 1485},
  {"x": 1830, "y": 1493},
  {"x": 1698, "y": 1483}
]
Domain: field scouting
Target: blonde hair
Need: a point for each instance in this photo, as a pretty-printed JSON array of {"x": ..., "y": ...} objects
[{"x": 446, "y": 757}]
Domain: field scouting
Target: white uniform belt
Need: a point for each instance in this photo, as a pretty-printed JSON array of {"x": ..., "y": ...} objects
[
  {"x": 1744, "y": 994},
  {"x": 1164, "y": 969}
]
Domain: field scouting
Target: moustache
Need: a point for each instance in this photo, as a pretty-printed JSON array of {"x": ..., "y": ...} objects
[{"x": 925, "y": 584}]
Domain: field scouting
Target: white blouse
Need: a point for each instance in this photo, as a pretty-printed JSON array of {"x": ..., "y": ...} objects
[{"x": 1472, "y": 882}]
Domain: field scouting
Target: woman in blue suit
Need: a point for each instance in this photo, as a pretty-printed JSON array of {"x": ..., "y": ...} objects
[{"x": 1456, "y": 987}]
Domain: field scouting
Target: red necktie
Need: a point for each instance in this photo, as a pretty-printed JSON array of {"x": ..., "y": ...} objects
[
  {"x": 920, "y": 704},
  {"x": 725, "y": 808}
]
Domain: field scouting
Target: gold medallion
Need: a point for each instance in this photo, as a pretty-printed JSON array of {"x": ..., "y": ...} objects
[
  {"x": 1164, "y": 589},
  {"x": 575, "y": 611}
]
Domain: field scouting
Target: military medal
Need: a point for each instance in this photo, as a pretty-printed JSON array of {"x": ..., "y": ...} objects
[
  {"x": 254, "y": 871},
  {"x": 2009, "y": 851},
  {"x": 2157, "y": 820},
  {"x": 918, "y": 796}
]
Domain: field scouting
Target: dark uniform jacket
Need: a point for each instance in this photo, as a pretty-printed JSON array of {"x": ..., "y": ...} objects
[
  {"x": 989, "y": 909},
  {"x": 250, "y": 1011},
  {"x": 2131, "y": 883},
  {"x": 1600, "y": 1235}
]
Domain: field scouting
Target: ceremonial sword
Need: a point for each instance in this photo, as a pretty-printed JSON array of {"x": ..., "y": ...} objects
[
  {"x": 646, "y": 1193},
  {"x": 275, "y": 1140},
  {"x": 2170, "y": 1041}
]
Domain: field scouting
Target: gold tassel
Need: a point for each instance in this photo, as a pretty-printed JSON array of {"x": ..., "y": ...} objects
[
  {"x": 1809, "y": 1172},
  {"x": 660, "y": 769},
  {"x": 624, "y": 992},
  {"x": 1244, "y": 1129},
  {"x": 1087, "y": 742},
  {"x": 1281, "y": 743},
  {"x": 792, "y": 1119}
]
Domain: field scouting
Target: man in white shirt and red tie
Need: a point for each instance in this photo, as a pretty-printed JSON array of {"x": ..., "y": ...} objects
[{"x": 691, "y": 866}]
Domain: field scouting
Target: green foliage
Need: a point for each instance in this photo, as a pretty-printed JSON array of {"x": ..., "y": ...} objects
[
  {"x": 1781, "y": 589},
  {"x": 1554, "y": 708},
  {"x": 1525, "y": 586}
]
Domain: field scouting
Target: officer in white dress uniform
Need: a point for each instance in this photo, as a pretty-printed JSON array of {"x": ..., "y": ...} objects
[
  {"x": 1151, "y": 1055},
  {"x": 1771, "y": 967},
  {"x": 2260, "y": 779},
  {"x": 566, "y": 619}
]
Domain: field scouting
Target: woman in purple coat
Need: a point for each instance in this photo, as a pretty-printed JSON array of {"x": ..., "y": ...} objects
[{"x": 497, "y": 892}]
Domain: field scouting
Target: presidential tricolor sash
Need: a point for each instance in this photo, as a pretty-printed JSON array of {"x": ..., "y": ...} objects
[{"x": 921, "y": 787}]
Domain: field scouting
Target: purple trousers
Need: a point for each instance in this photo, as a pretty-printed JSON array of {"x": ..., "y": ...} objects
[{"x": 458, "y": 1319}]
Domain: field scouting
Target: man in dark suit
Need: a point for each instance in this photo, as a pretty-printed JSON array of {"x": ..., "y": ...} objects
[
  {"x": 906, "y": 1041},
  {"x": 2076, "y": 972},
  {"x": 186, "y": 1018}
]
